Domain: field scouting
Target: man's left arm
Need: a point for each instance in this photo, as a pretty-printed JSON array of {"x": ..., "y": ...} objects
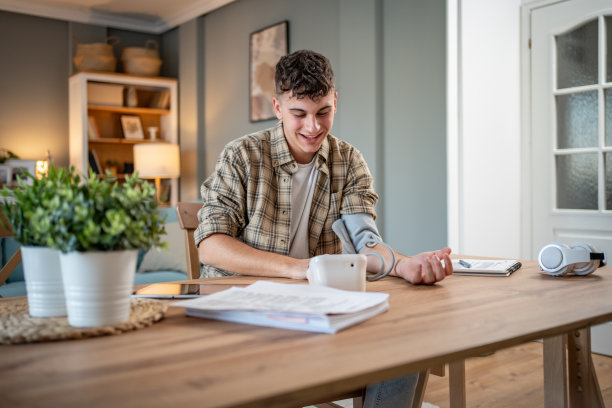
[
  {"x": 358, "y": 233},
  {"x": 358, "y": 215},
  {"x": 426, "y": 267}
]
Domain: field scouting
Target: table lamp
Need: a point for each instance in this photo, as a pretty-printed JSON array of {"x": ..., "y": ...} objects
[
  {"x": 157, "y": 161},
  {"x": 42, "y": 168}
]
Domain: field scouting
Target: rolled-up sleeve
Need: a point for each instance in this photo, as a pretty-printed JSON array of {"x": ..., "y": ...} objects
[
  {"x": 358, "y": 196},
  {"x": 223, "y": 196}
]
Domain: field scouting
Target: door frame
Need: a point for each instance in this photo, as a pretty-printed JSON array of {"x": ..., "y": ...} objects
[{"x": 526, "y": 244}]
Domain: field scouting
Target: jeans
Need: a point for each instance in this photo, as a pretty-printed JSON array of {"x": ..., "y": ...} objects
[{"x": 396, "y": 393}]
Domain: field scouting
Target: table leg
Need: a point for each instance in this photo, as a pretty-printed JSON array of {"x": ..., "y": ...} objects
[
  {"x": 583, "y": 385},
  {"x": 456, "y": 383},
  {"x": 555, "y": 372}
]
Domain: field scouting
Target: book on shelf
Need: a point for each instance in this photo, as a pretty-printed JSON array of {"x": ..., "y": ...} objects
[
  {"x": 94, "y": 162},
  {"x": 485, "y": 267},
  {"x": 161, "y": 100},
  {"x": 92, "y": 128},
  {"x": 289, "y": 306}
]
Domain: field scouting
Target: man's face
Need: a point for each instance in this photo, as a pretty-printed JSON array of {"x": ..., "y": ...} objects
[{"x": 306, "y": 123}]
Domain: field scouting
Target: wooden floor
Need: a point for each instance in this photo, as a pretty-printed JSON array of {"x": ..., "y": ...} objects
[{"x": 510, "y": 378}]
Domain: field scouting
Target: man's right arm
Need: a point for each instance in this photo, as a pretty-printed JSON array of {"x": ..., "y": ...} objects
[{"x": 225, "y": 252}]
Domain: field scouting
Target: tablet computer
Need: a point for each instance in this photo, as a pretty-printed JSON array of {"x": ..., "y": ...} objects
[{"x": 180, "y": 290}]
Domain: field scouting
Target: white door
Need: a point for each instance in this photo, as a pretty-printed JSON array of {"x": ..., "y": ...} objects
[{"x": 571, "y": 130}]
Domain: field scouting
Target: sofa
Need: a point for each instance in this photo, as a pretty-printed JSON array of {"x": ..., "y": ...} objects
[{"x": 153, "y": 266}]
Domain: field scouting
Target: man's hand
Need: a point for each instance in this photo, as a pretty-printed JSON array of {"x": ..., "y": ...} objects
[{"x": 425, "y": 267}]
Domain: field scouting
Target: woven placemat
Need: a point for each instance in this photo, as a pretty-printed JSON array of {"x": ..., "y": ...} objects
[{"x": 17, "y": 326}]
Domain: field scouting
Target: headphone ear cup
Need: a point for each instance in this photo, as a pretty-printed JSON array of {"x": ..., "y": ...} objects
[
  {"x": 552, "y": 259},
  {"x": 585, "y": 268}
]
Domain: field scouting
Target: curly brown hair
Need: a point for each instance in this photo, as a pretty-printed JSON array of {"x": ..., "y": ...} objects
[{"x": 304, "y": 73}]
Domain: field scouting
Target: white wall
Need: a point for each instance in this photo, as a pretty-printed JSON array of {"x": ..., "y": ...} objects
[{"x": 484, "y": 142}]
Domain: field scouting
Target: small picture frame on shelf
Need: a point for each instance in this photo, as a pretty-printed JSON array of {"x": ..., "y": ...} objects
[
  {"x": 19, "y": 168},
  {"x": 6, "y": 175},
  {"x": 132, "y": 127}
]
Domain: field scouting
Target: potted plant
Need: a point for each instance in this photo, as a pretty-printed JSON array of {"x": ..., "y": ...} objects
[
  {"x": 29, "y": 208},
  {"x": 112, "y": 166},
  {"x": 99, "y": 225}
]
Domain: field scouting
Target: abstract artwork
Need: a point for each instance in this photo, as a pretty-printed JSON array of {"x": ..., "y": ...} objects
[{"x": 266, "y": 47}]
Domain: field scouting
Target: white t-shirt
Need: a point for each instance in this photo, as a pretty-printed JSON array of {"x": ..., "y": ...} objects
[{"x": 302, "y": 189}]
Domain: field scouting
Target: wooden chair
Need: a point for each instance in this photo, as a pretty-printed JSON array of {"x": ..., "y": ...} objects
[
  {"x": 12, "y": 263},
  {"x": 187, "y": 214},
  {"x": 456, "y": 384}
]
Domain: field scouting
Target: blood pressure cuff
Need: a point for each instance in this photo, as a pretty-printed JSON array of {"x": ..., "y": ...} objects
[
  {"x": 355, "y": 231},
  {"x": 358, "y": 231}
]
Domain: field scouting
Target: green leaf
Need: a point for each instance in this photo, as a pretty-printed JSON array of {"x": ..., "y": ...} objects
[{"x": 73, "y": 213}]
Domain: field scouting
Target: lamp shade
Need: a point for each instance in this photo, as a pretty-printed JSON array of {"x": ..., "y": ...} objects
[{"x": 157, "y": 160}]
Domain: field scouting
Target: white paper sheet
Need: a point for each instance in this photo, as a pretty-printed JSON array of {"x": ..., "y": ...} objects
[{"x": 292, "y": 298}]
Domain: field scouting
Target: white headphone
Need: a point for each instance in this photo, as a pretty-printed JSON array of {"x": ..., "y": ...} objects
[{"x": 558, "y": 259}]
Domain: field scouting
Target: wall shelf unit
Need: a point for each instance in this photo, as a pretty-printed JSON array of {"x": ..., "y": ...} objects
[{"x": 97, "y": 101}]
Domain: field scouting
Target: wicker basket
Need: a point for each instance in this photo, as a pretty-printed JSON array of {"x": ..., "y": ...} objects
[
  {"x": 96, "y": 56},
  {"x": 150, "y": 50},
  {"x": 142, "y": 60},
  {"x": 142, "y": 66},
  {"x": 95, "y": 63}
]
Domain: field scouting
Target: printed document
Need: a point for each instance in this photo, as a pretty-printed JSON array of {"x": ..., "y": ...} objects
[{"x": 291, "y": 306}]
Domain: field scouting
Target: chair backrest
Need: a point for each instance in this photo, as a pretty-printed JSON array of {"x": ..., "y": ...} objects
[
  {"x": 4, "y": 231},
  {"x": 187, "y": 214},
  {"x": 12, "y": 263}
]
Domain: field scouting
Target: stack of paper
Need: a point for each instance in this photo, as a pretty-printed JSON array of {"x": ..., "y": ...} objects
[
  {"x": 289, "y": 306},
  {"x": 485, "y": 267}
]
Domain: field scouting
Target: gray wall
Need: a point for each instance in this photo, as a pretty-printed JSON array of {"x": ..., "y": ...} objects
[
  {"x": 35, "y": 63},
  {"x": 415, "y": 123},
  {"x": 389, "y": 59},
  {"x": 34, "y": 66},
  {"x": 226, "y": 59}
]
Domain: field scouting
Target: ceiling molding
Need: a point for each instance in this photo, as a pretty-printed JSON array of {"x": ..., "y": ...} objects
[
  {"x": 87, "y": 15},
  {"x": 196, "y": 10}
]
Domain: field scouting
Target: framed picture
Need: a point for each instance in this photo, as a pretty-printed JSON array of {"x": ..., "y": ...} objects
[
  {"x": 266, "y": 46},
  {"x": 132, "y": 127},
  {"x": 19, "y": 168},
  {"x": 6, "y": 175}
]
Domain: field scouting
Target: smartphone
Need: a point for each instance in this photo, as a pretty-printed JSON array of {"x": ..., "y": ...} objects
[{"x": 180, "y": 290}]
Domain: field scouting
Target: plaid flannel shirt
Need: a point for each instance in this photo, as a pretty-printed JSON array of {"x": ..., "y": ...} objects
[{"x": 248, "y": 195}]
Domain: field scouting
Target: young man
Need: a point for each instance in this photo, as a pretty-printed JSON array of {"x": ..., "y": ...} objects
[
  {"x": 277, "y": 197},
  {"x": 271, "y": 202}
]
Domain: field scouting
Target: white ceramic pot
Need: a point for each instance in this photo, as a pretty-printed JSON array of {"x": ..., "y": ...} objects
[
  {"x": 43, "y": 278},
  {"x": 98, "y": 286}
]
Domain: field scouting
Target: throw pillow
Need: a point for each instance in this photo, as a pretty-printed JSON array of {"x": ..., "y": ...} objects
[{"x": 172, "y": 259}]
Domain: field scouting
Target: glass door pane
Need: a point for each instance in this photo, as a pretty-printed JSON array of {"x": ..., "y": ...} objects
[
  {"x": 608, "y": 21},
  {"x": 608, "y": 117},
  {"x": 608, "y": 165},
  {"x": 577, "y": 120},
  {"x": 577, "y": 53},
  {"x": 577, "y": 181}
]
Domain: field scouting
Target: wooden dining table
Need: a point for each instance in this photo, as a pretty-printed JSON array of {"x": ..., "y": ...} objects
[{"x": 187, "y": 361}]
